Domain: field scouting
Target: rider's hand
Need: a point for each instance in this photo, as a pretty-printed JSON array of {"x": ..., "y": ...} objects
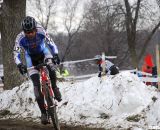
[
  {"x": 56, "y": 59},
  {"x": 22, "y": 68},
  {"x": 99, "y": 75}
]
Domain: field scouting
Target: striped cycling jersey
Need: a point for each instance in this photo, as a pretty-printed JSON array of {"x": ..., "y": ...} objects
[{"x": 33, "y": 46}]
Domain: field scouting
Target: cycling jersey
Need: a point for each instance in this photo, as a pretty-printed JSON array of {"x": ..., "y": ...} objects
[
  {"x": 110, "y": 68},
  {"x": 41, "y": 44}
]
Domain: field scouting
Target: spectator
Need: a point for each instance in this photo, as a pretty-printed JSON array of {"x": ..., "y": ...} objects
[
  {"x": 154, "y": 74},
  {"x": 148, "y": 66}
]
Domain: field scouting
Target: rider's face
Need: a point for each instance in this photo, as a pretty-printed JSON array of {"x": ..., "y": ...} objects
[{"x": 30, "y": 34}]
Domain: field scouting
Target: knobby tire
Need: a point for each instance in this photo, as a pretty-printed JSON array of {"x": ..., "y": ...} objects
[
  {"x": 52, "y": 109},
  {"x": 54, "y": 118}
]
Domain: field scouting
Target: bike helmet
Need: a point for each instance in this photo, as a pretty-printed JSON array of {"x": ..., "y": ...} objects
[
  {"x": 28, "y": 24},
  {"x": 98, "y": 59}
]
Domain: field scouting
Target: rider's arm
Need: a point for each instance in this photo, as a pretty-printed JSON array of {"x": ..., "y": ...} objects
[
  {"x": 17, "y": 49},
  {"x": 99, "y": 70},
  {"x": 52, "y": 46}
]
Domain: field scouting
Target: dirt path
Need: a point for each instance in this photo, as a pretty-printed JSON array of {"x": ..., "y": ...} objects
[{"x": 28, "y": 125}]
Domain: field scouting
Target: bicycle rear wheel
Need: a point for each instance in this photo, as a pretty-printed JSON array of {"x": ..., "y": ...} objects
[{"x": 52, "y": 109}]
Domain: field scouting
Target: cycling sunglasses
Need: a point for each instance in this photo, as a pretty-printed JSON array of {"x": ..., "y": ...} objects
[{"x": 30, "y": 32}]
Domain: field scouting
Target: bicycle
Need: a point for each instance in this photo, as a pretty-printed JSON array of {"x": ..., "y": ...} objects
[{"x": 47, "y": 91}]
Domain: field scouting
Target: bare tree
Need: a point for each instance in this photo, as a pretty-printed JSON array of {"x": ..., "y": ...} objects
[
  {"x": 103, "y": 19},
  {"x": 131, "y": 17},
  {"x": 12, "y": 14},
  {"x": 72, "y": 28},
  {"x": 104, "y": 26},
  {"x": 45, "y": 12},
  {"x": 131, "y": 24}
]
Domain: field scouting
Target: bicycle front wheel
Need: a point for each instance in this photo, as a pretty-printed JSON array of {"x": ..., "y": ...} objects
[
  {"x": 54, "y": 117},
  {"x": 52, "y": 110}
]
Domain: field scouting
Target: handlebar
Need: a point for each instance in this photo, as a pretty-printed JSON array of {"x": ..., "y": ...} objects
[
  {"x": 37, "y": 66},
  {"x": 40, "y": 66},
  {"x": 56, "y": 68}
]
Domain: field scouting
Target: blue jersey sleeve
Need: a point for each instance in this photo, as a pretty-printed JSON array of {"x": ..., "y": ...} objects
[
  {"x": 50, "y": 43},
  {"x": 18, "y": 48}
]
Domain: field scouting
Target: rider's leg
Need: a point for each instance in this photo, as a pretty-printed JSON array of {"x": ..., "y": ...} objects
[
  {"x": 39, "y": 97},
  {"x": 34, "y": 74},
  {"x": 52, "y": 75},
  {"x": 114, "y": 70},
  {"x": 37, "y": 91}
]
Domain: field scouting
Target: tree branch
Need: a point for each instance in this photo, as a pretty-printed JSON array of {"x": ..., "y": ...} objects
[{"x": 147, "y": 41}]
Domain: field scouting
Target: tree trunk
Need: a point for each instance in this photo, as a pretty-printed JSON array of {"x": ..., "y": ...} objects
[
  {"x": 134, "y": 59},
  {"x": 13, "y": 11},
  {"x": 131, "y": 30}
]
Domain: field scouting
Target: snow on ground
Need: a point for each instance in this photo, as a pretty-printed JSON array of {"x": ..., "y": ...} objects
[{"x": 120, "y": 101}]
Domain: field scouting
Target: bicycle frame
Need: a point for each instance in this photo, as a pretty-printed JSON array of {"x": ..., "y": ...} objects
[
  {"x": 47, "y": 91},
  {"x": 45, "y": 80}
]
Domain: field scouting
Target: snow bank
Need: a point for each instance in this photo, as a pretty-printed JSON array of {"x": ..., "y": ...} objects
[{"x": 120, "y": 101}]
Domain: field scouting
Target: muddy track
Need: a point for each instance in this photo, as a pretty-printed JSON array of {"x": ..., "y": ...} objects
[{"x": 28, "y": 125}]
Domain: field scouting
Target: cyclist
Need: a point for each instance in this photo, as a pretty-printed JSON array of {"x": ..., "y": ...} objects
[
  {"x": 38, "y": 48},
  {"x": 110, "y": 68}
]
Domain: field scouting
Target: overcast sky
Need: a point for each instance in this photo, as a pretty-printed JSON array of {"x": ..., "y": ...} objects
[
  {"x": 59, "y": 17},
  {"x": 59, "y": 12}
]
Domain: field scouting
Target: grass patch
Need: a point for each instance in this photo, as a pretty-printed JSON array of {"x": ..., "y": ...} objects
[
  {"x": 104, "y": 116},
  {"x": 82, "y": 116},
  {"x": 134, "y": 118},
  {"x": 154, "y": 99},
  {"x": 5, "y": 112}
]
